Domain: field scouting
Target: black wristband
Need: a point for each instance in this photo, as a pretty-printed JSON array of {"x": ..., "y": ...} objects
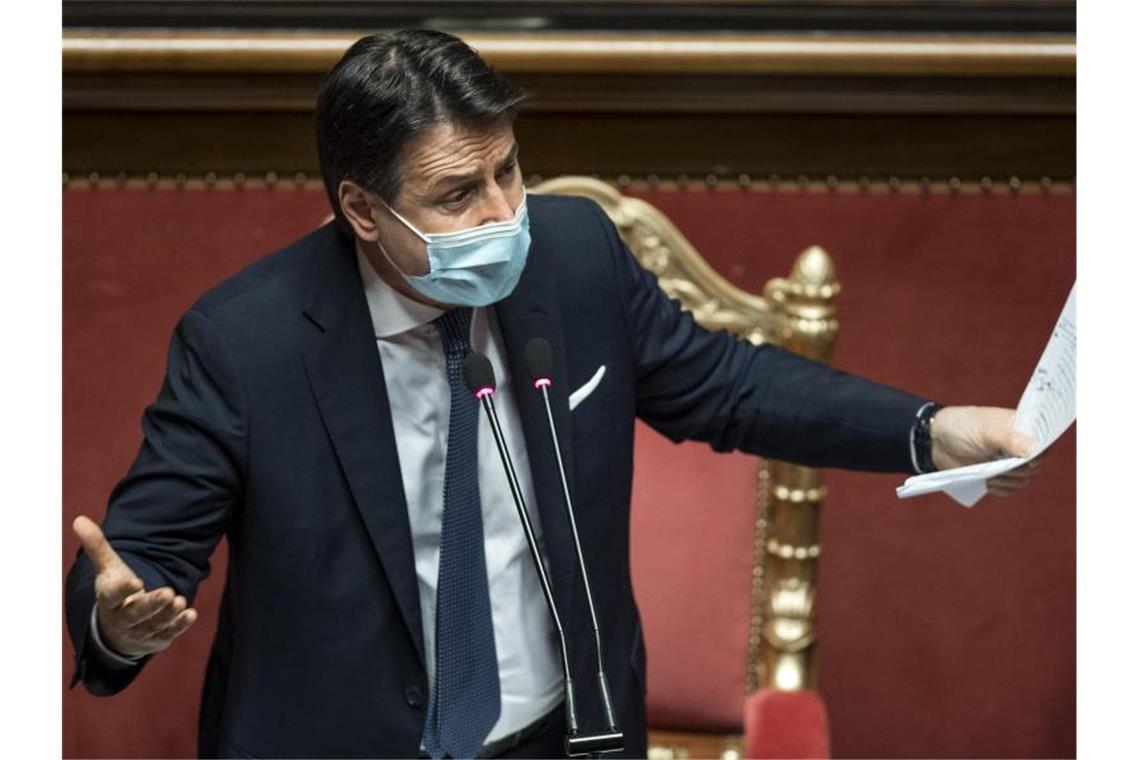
[{"x": 921, "y": 446}]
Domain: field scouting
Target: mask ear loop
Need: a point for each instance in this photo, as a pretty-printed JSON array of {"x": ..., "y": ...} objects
[
  {"x": 406, "y": 223},
  {"x": 384, "y": 252},
  {"x": 388, "y": 258}
]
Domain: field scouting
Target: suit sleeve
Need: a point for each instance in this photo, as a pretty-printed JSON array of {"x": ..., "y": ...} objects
[
  {"x": 693, "y": 384},
  {"x": 166, "y": 516}
]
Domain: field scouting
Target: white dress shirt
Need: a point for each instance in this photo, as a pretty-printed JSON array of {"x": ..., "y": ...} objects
[{"x": 415, "y": 376}]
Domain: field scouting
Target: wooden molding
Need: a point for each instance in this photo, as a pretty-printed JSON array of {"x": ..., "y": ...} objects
[
  {"x": 908, "y": 106},
  {"x": 968, "y": 147},
  {"x": 313, "y": 52},
  {"x": 303, "y": 182}
]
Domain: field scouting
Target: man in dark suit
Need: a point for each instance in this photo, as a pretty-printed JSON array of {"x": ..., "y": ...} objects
[{"x": 380, "y": 599}]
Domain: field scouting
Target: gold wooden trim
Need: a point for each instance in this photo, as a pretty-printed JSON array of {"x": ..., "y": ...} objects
[
  {"x": 791, "y": 551},
  {"x": 801, "y": 494},
  {"x": 685, "y": 745},
  {"x": 662, "y": 183},
  {"x": 758, "y": 598},
  {"x": 301, "y": 52}
]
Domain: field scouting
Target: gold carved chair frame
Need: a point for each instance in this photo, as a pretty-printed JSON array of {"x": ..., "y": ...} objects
[{"x": 798, "y": 313}]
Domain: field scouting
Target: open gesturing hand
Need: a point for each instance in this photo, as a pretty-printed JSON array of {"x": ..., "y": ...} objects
[{"x": 132, "y": 622}]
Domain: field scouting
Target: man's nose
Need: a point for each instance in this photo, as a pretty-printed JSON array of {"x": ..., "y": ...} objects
[{"x": 497, "y": 207}]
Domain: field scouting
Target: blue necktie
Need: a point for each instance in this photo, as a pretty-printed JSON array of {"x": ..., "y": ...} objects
[{"x": 464, "y": 705}]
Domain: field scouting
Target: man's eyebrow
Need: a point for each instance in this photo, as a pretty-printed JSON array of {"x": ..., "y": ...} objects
[
  {"x": 454, "y": 180},
  {"x": 514, "y": 154}
]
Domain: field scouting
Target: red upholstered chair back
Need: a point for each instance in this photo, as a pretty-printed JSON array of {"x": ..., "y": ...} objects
[{"x": 700, "y": 519}]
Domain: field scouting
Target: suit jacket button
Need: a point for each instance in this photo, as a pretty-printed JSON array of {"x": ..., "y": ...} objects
[{"x": 413, "y": 696}]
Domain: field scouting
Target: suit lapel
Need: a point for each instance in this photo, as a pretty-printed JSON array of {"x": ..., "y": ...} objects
[
  {"x": 531, "y": 312},
  {"x": 346, "y": 376}
]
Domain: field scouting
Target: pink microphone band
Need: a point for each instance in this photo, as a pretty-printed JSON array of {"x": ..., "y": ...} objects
[
  {"x": 542, "y": 382},
  {"x": 482, "y": 393}
]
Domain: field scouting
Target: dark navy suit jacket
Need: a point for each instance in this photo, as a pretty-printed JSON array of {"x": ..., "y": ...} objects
[{"x": 273, "y": 428}]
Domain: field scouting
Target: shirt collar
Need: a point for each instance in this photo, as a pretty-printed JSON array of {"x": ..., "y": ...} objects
[{"x": 392, "y": 311}]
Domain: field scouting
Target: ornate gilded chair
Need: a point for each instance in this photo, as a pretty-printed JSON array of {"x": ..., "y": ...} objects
[{"x": 770, "y": 635}]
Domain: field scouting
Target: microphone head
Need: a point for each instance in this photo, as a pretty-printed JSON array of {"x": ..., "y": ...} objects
[
  {"x": 540, "y": 361},
  {"x": 479, "y": 374}
]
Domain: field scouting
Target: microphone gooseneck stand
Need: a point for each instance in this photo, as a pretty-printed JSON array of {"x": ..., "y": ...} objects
[
  {"x": 541, "y": 366},
  {"x": 480, "y": 378}
]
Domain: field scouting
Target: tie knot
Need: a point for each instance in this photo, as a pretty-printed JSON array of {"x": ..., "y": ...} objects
[{"x": 455, "y": 329}]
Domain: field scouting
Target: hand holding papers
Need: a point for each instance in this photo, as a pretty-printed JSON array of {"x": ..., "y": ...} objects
[{"x": 1047, "y": 408}]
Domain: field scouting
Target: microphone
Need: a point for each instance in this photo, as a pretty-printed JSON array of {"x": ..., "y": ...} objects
[
  {"x": 480, "y": 377},
  {"x": 540, "y": 363}
]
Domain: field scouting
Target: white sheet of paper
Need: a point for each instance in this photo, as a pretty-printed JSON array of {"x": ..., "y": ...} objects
[{"x": 1047, "y": 408}]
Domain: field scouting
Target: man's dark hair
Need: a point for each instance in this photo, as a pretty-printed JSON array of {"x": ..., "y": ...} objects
[{"x": 388, "y": 88}]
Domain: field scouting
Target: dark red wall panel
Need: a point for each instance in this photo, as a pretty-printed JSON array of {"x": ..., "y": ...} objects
[{"x": 133, "y": 261}]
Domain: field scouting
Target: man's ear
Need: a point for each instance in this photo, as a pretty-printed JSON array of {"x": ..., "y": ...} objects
[{"x": 357, "y": 203}]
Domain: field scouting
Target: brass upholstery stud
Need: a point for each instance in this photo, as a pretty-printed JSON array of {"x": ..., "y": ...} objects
[
  {"x": 152, "y": 179},
  {"x": 271, "y": 178},
  {"x": 955, "y": 185},
  {"x": 239, "y": 179}
]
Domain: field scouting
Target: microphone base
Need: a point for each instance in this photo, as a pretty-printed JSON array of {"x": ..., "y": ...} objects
[{"x": 588, "y": 745}]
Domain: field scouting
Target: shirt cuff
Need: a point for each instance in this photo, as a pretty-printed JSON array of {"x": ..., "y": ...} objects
[{"x": 112, "y": 659}]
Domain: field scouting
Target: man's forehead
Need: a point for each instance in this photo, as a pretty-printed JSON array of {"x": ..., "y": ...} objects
[{"x": 446, "y": 149}]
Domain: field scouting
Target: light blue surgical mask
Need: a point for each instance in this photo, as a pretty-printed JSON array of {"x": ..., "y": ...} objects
[{"x": 472, "y": 267}]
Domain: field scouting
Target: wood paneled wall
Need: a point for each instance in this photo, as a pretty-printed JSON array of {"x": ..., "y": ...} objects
[{"x": 876, "y": 106}]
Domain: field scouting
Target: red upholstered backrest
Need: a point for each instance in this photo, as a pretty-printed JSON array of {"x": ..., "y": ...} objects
[
  {"x": 692, "y": 535},
  {"x": 785, "y": 725},
  {"x": 925, "y": 609}
]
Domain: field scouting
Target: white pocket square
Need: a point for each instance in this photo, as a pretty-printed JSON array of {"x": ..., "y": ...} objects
[{"x": 580, "y": 395}]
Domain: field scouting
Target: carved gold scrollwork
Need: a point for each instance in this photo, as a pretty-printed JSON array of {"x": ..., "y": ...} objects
[{"x": 791, "y": 604}]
